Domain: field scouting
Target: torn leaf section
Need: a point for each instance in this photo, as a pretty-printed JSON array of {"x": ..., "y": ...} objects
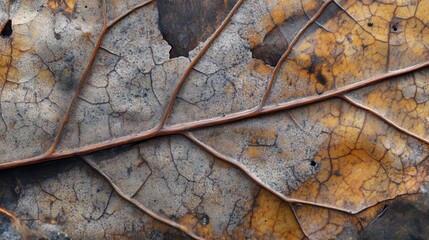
[
  {"x": 281, "y": 22},
  {"x": 226, "y": 79},
  {"x": 272, "y": 48},
  {"x": 186, "y": 23},
  {"x": 125, "y": 93}
]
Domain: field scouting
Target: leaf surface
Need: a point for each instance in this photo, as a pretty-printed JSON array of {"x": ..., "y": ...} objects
[{"x": 211, "y": 119}]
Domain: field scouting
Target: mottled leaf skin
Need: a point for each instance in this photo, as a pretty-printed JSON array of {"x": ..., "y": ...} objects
[{"x": 198, "y": 119}]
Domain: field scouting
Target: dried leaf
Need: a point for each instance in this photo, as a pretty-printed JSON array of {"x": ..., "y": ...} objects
[{"x": 213, "y": 119}]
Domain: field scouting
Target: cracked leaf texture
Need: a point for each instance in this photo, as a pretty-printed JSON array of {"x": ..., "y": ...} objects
[{"x": 232, "y": 119}]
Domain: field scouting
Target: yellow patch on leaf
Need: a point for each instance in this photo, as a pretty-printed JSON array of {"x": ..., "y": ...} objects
[
  {"x": 272, "y": 218},
  {"x": 63, "y": 6}
]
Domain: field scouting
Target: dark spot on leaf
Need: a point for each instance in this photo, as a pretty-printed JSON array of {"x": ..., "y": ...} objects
[
  {"x": 6, "y": 30},
  {"x": 395, "y": 27},
  {"x": 31, "y": 174},
  {"x": 272, "y": 48},
  {"x": 313, "y": 163},
  {"x": 405, "y": 218},
  {"x": 186, "y": 23},
  {"x": 315, "y": 62},
  {"x": 370, "y": 24},
  {"x": 204, "y": 219},
  {"x": 321, "y": 79},
  {"x": 312, "y": 68}
]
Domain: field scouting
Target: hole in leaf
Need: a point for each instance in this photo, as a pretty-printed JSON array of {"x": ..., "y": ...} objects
[
  {"x": 184, "y": 24},
  {"x": 272, "y": 48},
  {"x": 313, "y": 163},
  {"x": 6, "y": 31},
  {"x": 394, "y": 28},
  {"x": 370, "y": 24}
]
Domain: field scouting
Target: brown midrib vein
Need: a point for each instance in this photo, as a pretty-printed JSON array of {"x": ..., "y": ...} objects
[
  {"x": 161, "y": 130},
  {"x": 251, "y": 113},
  {"x": 254, "y": 112}
]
